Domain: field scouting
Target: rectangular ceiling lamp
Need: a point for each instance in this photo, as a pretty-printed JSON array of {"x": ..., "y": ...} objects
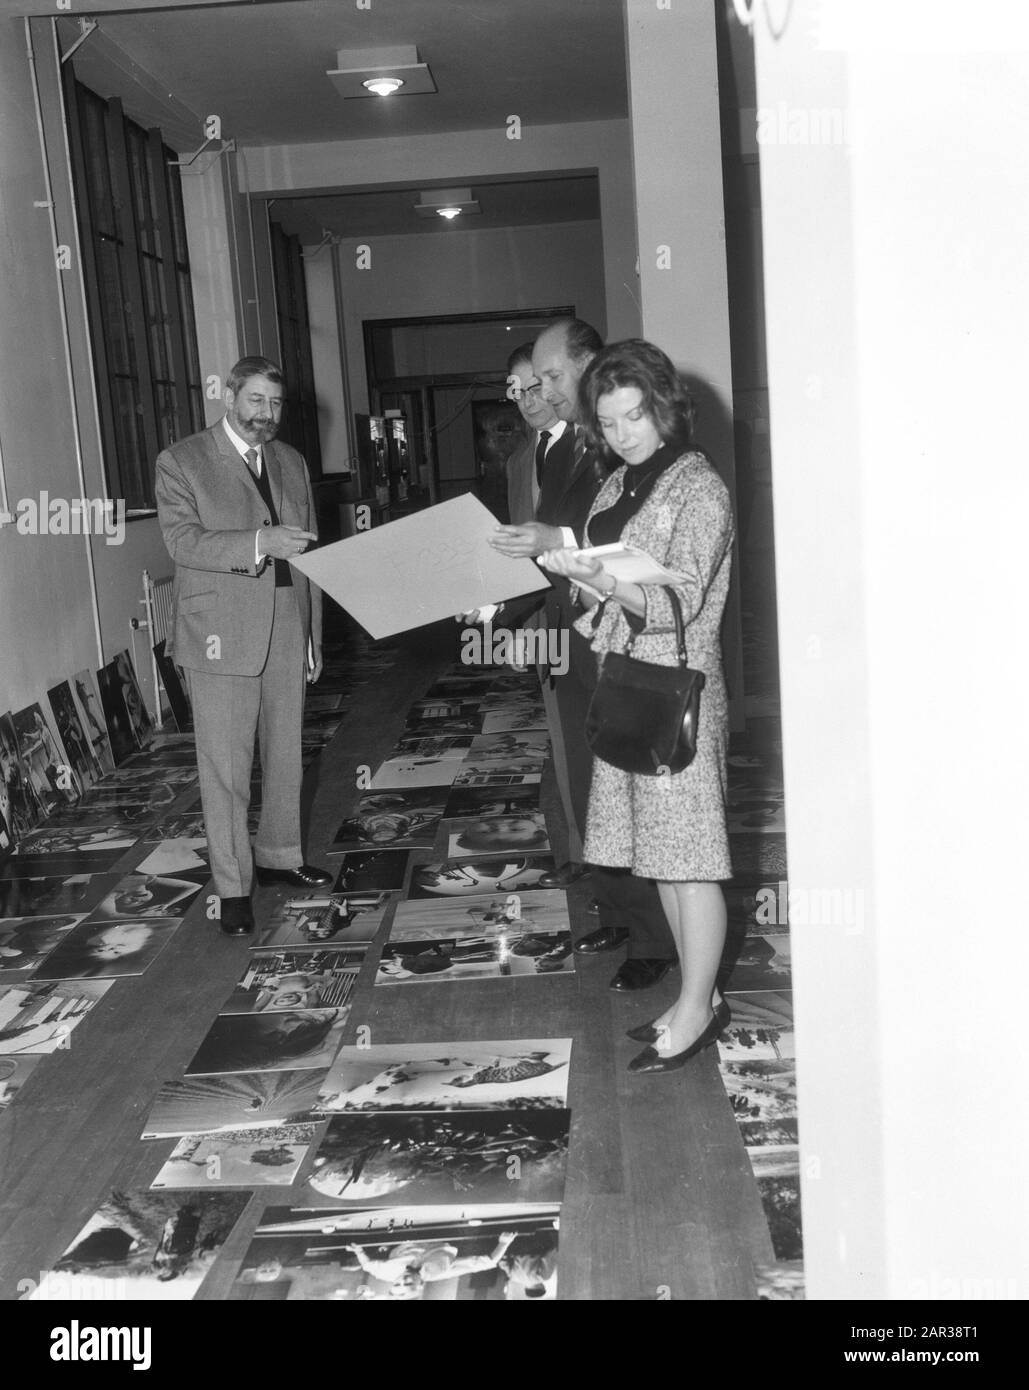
[{"x": 357, "y": 66}]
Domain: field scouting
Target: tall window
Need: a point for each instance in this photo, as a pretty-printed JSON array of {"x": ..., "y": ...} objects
[{"x": 138, "y": 289}]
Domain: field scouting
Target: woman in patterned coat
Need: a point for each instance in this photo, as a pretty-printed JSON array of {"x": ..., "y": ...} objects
[{"x": 667, "y": 500}]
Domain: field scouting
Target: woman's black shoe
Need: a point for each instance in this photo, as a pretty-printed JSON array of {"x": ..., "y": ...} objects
[{"x": 647, "y": 1032}]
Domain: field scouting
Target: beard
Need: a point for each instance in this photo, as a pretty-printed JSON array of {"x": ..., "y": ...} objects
[{"x": 254, "y": 429}]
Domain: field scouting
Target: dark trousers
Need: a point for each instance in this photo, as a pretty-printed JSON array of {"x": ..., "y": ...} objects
[{"x": 624, "y": 900}]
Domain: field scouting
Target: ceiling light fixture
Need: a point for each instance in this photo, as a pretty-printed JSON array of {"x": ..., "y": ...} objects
[
  {"x": 383, "y": 86},
  {"x": 368, "y": 72},
  {"x": 446, "y": 202}
]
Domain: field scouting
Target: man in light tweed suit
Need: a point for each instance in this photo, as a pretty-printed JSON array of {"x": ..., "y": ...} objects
[{"x": 234, "y": 508}]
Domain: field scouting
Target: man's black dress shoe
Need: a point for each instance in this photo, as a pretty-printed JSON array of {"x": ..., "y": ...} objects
[
  {"x": 306, "y": 876},
  {"x": 646, "y": 1032},
  {"x": 640, "y": 972},
  {"x": 236, "y": 916},
  {"x": 563, "y": 877},
  {"x": 603, "y": 939},
  {"x": 650, "y": 1060}
]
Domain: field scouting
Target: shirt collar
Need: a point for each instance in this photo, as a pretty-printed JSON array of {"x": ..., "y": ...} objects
[
  {"x": 240, "y": 444},
  {"x": 555, "y": 431}
]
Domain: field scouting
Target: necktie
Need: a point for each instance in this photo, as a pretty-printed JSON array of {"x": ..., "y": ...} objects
[
  {"x": 579, "y": 447},
  {"x": 541, "y": 453},
  {"x": 283, "y": 574}
]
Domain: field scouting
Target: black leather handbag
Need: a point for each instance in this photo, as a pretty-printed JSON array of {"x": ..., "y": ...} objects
[{"x": 643, "y": 717}]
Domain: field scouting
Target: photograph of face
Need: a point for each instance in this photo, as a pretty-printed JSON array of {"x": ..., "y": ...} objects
[
  {"x": 139, "y": 718},
  {"x": 492, "y": 834},
  {"x": 240, "y": 1158},
  {"x": 468, "y": 877},
  {"x": 142, "y": 895},
  {"x": 296, "y": 980},
  {"x": 531, "y": 1073},
  {"x": 25, "y": 942},
  {"x": 37, "y": 1017},
  {"x": 99, "y": 949},
  {"x": 116, "y": 715},
  {"x": 146, "y": 1245},
  {"x": 278, "y": 1041},
  {"x": 386, "y": 1160}
]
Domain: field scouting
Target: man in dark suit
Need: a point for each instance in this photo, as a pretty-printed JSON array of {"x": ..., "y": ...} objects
[
  {"x": 234, "y": 508},
  {"x": 630, "y": 909}
]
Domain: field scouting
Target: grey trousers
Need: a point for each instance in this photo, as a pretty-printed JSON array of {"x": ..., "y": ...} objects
[{"x": 229, "y": 713}]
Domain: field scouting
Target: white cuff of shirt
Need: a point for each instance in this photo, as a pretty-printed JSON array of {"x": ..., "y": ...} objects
[
  {"x": 258, "y": 557},
  {"x": 569, "y": 537}
]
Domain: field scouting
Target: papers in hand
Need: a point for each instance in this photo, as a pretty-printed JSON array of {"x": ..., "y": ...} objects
[
  {"x": 420, "y": 569},
  {"x": 631, "y": 566}
]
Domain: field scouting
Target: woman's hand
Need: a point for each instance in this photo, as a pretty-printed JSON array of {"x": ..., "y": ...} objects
[{"x": 573, "y": 565}]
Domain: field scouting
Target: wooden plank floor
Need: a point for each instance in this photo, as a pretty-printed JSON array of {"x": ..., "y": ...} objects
[{"x": 659, "y": 1204}]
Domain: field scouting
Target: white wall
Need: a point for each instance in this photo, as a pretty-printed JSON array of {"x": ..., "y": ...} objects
[
  {"x": 897, "y": 294},
  {"x": 464, "y": 154},
  {"x": 460, "y": 272}
]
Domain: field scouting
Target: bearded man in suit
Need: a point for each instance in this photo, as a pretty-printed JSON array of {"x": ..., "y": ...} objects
[{"x": 234, "y": 508}]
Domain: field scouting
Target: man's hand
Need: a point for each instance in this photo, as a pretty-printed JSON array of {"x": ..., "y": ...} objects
[
  {"x": 485, "y": 614},
  {"x": 573, "y": 565},
  {"x": 283, "y": 542},
  {"x": 316, "y": 659},
  {"x": 526, "y": 541}
]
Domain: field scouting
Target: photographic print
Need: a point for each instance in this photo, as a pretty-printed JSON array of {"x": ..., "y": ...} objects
[
  {"x": 431, "y": 728},
  {"x": 405, "y": 818},
  {"x": 316, "y": 920},
  {"x": 782, "y": 1282},
  {"x": 761, "y": 855},
  {"x": 495, "y": 775},
  {"x": 145, "y": 1245},
  {"x": 530, "y": 1074},
  {"x": 163, "y": 754},
  {"x": 19, "y": 800},
  {"x": 238, "y": 1158},
  {"x": 40, "y": 1017},
  {"x": 475, "y": 958},
  {"x": 14, "y": 1072},
  {"x": 492, "y": 801},
  {"x": 417, "y": 772},
  {"x": 77, "y": 746},
  {"x": 433, "y": 746},
  {"x": 245, "y": 1100},
  {"x": 289, "y": 1040},
  {"x": 140, "y": 723},
  {"x": 500, "y": 721},
  {"x": 478, "y": 1156},
  {"x": 775, "y": 1161},
  {"x": 174, "y": 687},
  {"x": 478, "y": 835},
  {"x": 296, "y": 980},
  {"x": 379, "y": 869},
  {"x": 108, "y": 950},
  {"x": 542, "y": 911},
  {"x": 44, "y": 763},
  {"x": 442, "y": 709},
  {"x": 758, "y": 962},
  {"x": 151, "y": 895},
  {"x": 760, "y": 1090},
  {"x": 45, "y": 896},
  {"x": 143, "y": 776},
  {"x": 87, "y": 698},
  {"x": 532, "y": 747},
  {"x": 760, "y": 906},
  {"x": 432, "y": 1254},
  {"x": 112, "y": 840},
  {"x": 120, "y": 728},
  {"x": 767, "y": 1134},
  {"x": 176, "y": 855},
  {"x": 780, "y": 1198},
  {"x": 144, "y": 801},
  {"x": 770, "y": 1009},
  {"x": 471, "y": 877},
  {"x": 25, "y": 942},
  {"x": 741, "y": 1044}
]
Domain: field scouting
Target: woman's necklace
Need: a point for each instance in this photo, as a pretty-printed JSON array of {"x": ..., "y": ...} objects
[{"x": 639, "y": 476}]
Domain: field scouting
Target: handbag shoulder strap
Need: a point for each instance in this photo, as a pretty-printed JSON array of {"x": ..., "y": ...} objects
[{"x": 680, "y": 630}]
